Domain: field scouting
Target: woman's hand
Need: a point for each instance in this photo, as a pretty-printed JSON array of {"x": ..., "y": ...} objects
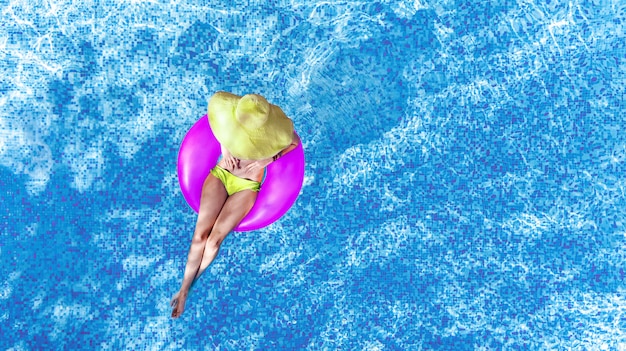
[
  {"x": 231, "y": 161},
  {"x": 258, "y": 165}
]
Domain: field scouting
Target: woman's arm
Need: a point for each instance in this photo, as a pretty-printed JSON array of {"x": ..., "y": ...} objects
[{"x": 295, "y": 141}]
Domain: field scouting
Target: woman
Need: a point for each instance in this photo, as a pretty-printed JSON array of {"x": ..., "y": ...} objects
[{"x": 252, "y": 134}]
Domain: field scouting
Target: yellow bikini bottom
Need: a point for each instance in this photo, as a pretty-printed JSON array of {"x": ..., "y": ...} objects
[{"x": 232, "y": 183}]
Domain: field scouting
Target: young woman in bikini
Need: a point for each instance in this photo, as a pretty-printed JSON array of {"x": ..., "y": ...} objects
[{"x": 252, "y": 134}]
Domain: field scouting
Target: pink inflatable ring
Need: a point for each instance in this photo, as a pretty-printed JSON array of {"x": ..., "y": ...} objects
[{"x": 199, "y": 153}]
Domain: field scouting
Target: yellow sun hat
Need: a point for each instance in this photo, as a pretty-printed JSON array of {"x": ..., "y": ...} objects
[{"x": 249, "y": 127}]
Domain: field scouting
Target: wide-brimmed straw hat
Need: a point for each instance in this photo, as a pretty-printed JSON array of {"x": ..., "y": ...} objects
[{"x": 249, "y": 127}]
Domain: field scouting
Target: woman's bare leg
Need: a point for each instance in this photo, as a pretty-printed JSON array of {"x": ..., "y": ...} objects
[
  {"x": 211, "y": 202},
  {"x": 233, "y": 211},
  {"x": 207, "y": 257}
]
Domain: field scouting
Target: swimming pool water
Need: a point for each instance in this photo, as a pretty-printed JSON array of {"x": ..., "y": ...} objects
[{"x": 464, "y": 187}]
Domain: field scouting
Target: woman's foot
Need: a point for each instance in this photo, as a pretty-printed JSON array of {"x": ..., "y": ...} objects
[{"x": 178, "y": 304}]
